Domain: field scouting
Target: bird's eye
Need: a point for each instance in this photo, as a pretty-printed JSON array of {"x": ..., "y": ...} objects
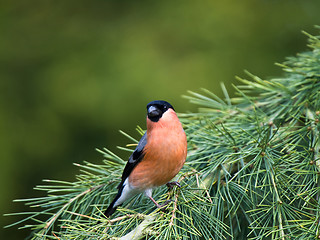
[{"x": 165, "y": 107}]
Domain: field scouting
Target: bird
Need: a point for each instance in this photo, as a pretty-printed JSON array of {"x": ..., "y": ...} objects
[{"x": 157, "y": 159}]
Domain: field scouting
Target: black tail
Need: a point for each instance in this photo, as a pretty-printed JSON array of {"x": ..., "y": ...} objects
[{"x": 111, "y": 209}]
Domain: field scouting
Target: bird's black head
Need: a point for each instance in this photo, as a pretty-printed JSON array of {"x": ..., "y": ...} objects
[{"x": 156, "y": 109}]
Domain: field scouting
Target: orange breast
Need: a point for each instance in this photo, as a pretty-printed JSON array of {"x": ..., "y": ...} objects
[{"x": 165, "y": 153}]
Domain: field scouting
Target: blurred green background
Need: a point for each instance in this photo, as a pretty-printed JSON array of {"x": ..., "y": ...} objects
[{"x": 74, "y": 72}]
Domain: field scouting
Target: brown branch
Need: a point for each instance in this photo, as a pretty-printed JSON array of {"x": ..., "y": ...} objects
[{"x": 174, "y": 209}]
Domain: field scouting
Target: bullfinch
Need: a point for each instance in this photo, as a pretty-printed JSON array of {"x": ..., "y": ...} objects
[{"x": 158, "y": 157}]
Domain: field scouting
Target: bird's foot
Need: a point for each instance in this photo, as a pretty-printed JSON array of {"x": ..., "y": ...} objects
[
  {"x": 163, "y": 207},
  {"x": 170, "y": 185}
]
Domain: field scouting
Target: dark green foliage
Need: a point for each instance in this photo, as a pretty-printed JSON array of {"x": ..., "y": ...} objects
[{"x": 252, "y": 171}]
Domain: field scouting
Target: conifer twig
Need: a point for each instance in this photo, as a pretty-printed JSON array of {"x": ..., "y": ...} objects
[{"x": 56, "y": 215}]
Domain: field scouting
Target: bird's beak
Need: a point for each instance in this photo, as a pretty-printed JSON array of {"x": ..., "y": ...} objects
[{"x": 153, "y": 112}]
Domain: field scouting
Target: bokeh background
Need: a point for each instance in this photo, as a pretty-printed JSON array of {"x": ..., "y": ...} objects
[{"x": 72, "y": 73}]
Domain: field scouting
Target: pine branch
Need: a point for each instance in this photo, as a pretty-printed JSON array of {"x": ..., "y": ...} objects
[{"x": 61, "y": 210}]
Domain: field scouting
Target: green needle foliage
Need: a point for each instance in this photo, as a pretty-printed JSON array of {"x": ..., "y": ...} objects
[{"x": 252, "y": 171}]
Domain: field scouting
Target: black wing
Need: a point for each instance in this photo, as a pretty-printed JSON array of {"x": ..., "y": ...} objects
[{"x": 134, "y": 159}]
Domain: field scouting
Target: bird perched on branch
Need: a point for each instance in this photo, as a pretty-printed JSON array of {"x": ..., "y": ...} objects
[{"x": 159, "y": 156}]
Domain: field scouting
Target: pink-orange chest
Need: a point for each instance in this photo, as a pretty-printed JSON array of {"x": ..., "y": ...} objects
[{"x": 165, "y": 155}]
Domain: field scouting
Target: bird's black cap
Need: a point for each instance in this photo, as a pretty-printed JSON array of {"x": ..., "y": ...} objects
[{"x": 155, "y": 109}]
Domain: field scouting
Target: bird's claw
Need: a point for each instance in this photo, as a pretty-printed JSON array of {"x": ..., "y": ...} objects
[
  {"x": 170, "y": 185},
  {"x": 163, "y": 207}
]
